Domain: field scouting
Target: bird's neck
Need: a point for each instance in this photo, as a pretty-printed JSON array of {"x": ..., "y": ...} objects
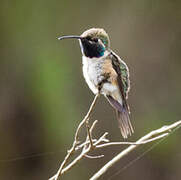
[{"x": 105, "y": 54}]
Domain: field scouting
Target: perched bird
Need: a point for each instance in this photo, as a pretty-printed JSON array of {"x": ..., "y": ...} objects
[{"x": 106, "y": 73}]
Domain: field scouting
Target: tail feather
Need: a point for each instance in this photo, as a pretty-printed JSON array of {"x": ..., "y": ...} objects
[
  {"x": 124, "y": 123},
  {"x": 123, "y": 117}
]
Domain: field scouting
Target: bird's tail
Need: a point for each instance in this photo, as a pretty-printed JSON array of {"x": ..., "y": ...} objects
[
  {"x": 124, "y": 123},
  {"x": 123, "y": 117}
]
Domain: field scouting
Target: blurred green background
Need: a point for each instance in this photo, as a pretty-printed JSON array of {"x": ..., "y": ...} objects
[{"x": 43, "y": 95}]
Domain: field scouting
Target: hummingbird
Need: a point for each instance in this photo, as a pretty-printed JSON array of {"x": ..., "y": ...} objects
[{"x": 105, "y": 73}]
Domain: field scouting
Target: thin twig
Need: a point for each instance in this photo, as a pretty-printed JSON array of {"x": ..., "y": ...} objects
[
  {"x": 157, "y": 132},
  {"x": 94, "y": 157},
  {"x": 102, "y": 138},
  {"x": 89, "y": 136},
  {"x": 87, "y": 142},
  {"x": 83, "y": 154},
  {"x": 71, "y": 151},
  {"x": 86, "y": 117},
  {"x": 132, "y": 143}
]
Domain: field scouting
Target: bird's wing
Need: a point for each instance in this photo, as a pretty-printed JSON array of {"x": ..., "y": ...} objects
[
  {"x": 123, "y": 82},
  {"x": 122, "y": 77}
]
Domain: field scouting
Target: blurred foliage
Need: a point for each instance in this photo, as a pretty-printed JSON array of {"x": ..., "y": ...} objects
[{"x": 44, "y": 96}]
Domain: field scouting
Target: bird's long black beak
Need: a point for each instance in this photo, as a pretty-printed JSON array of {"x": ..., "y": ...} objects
[{"x": 69, "y": 37}]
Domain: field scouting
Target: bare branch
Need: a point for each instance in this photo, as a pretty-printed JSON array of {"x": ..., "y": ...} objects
[
  {"x": 132, "y": 143},
  {"x": 72, "y": 150},
  {"x": 89, "y": 135},
  {"x": 84, "y": 152},
  {"x": 94, "y": 157},
  {"x": 90, "y": 144},
  {"x": 86, "y": 117},
  {"x": 162, "y": 132},
  {"x": 84, "y": 144}
]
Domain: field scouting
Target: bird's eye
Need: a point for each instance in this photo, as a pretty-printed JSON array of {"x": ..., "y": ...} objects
[
  {"x": 88, "y": 38},
  {"x": 92, "y": 39},
  {"x": 95, "y": 40}
]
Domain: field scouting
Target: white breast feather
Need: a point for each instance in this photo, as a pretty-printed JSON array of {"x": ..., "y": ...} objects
[{"x": 90, "y": 73}]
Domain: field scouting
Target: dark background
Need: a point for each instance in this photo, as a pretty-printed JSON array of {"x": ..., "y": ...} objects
[{"x": 43, "y": 95}]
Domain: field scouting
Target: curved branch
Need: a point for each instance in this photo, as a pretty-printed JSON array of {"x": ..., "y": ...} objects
[{"x": 165, "y": 130}]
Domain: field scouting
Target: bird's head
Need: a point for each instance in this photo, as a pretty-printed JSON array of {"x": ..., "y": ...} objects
[{"x": 93, "y": 42}]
